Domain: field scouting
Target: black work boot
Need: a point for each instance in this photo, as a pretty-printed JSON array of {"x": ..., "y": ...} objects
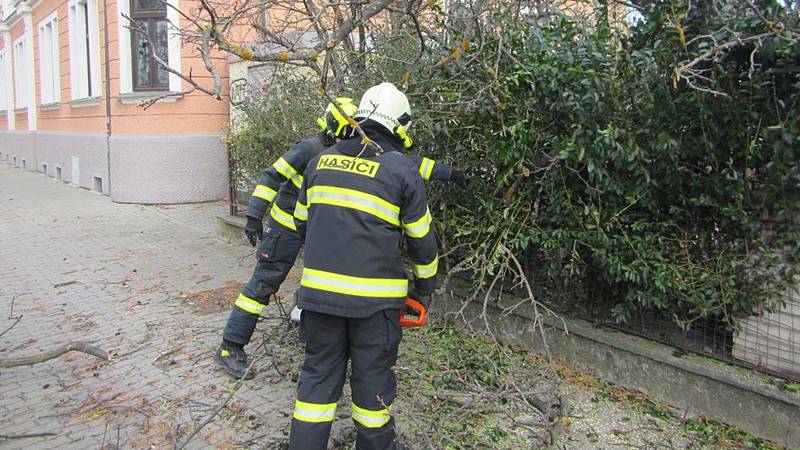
[{"x": 232, "y": 358}]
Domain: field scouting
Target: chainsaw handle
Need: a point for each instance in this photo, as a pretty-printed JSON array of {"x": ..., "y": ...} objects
[{"x": 413, "y": 315}]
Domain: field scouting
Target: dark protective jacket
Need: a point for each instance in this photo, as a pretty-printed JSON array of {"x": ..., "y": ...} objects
[
  {"x": 352, "y": 212},
  {"x": 281, "y": 181}
]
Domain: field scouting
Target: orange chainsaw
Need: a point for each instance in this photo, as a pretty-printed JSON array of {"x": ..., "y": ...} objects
[{"x": 413, "y": 315}]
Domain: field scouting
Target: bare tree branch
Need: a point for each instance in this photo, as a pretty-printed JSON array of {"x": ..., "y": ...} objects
[
  {"x": 27, "y": 435},
  {"x": 12, "y": 326},
  {"x": 304, "y": 54},
  {"x": 55, "y": 353}
]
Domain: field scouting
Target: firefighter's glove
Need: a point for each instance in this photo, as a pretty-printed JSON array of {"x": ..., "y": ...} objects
[
  {"x": 459, "y": 178},
  {"x": 253, "y": 230},
  {"x": 424, "y": 299}
]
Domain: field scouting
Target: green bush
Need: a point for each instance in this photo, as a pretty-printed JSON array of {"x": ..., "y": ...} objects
[
  {"x": 270, "y": 124},
  {"x": 620, "y": 189},
  {"x": 620, "y": 186}
]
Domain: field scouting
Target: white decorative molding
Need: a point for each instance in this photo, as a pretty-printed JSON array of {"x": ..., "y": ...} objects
[
  {"x": 27, "y": 17},
  {"x": 82, "y": 72},
  {"x": 174, "y": 44},
  {"x": 125, "y": 64},
  {"x": 49, "y": 60},
  {"x": 7, "y": 68},
  {"x": 21, "y": 73}
]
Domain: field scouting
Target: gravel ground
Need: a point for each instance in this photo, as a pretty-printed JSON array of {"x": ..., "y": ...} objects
[{"x": 600, "y": 423}]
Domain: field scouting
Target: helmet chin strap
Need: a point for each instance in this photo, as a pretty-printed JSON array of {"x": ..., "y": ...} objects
[
  {"x": 402, "y": 132},
  {"x": 322, "y": 123}
]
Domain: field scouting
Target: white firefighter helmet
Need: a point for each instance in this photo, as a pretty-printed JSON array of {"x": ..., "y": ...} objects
[{"x": 387, "y": 105}]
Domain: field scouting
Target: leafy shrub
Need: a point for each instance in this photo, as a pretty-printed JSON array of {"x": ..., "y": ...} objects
[
  {"x": 270, "y": 123},
  {"x": 619, "y": 184},
  {"x": 619, "y": 187}
]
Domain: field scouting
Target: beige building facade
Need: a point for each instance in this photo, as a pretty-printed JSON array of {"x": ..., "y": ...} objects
[{"x": 72, "y": 75}]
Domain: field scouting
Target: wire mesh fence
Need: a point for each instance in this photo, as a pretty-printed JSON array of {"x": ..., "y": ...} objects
[
  {"x": 238, "y": 190},
  {"x": 768, "y": 343}
]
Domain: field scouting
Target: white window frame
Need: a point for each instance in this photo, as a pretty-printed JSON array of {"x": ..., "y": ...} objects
[
  {"x": 8, "y": 8},
  {"x": 49, "y": 61},
  {"x": 22, "y": 76},
  {"x": 8, "y": 71},
  {"x": 82, "y": 72},
  {"x": 3, "y": 81},
  {"x": 173, "y": 46}
]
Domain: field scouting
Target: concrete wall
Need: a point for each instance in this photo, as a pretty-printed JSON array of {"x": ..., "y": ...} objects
[
  {"x": 144, "y": 169},
  {"x": 22, "y": 145},
  {"x": 168, "y": 168},
  {"x": 81, "y": 156}
]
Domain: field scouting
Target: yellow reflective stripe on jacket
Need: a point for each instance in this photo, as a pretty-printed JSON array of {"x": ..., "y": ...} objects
[
  {"x": 314, "y": 412},
  {"x": 282, "y": 217},
  {"x": 288, "y": 171},
  {"x": 426, "y": 270},
  {"x": 361, "y": 201},
  {"x": 248, "y": 304},
  {"x": 370, "y": 418},
  {"x": 358, "y": 286},
  {"x": 264, "y": 192},
  {"x": 420, "y": 227},
  {"x": 300, "y": 211},
  {"x": 426, "y": 168}
]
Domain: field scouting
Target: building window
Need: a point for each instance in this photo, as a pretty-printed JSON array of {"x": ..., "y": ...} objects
[
  {"x": 129, "y": 45},
  {"x": 21, "y": 68},
  {"x": 3, "y": 81},
  {"x": 49, "y": 73},
  {"x": 151, "y": 17},
  {"x": 84, "y": 49}
]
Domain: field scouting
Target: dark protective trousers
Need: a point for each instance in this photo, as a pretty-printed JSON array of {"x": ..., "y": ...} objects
[
  {"x": 274, "y": 258},
  {"x": 371, "y": 346}
]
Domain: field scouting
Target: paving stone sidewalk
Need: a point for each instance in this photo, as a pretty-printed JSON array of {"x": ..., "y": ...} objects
[{"x": 77, "y": 266}]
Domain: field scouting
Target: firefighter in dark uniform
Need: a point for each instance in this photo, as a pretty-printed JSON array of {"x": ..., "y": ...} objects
[
  {"x": 279, "y": 184},
  {"x": 357, "y": 202},
  {"x": 280, "y": 244}
]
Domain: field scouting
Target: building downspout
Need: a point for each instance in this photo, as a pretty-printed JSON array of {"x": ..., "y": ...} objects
[{"x": 108, "y": 95}]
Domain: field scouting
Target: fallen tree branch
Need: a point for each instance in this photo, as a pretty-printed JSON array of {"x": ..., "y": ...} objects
[
  {"x": 24, "y": 436},
  {"x": 55, "y": 353},
  {"x": 12, "y": 326},
  {"x": 167, "y": 353},
  {"x": 11, "y": 313}
]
